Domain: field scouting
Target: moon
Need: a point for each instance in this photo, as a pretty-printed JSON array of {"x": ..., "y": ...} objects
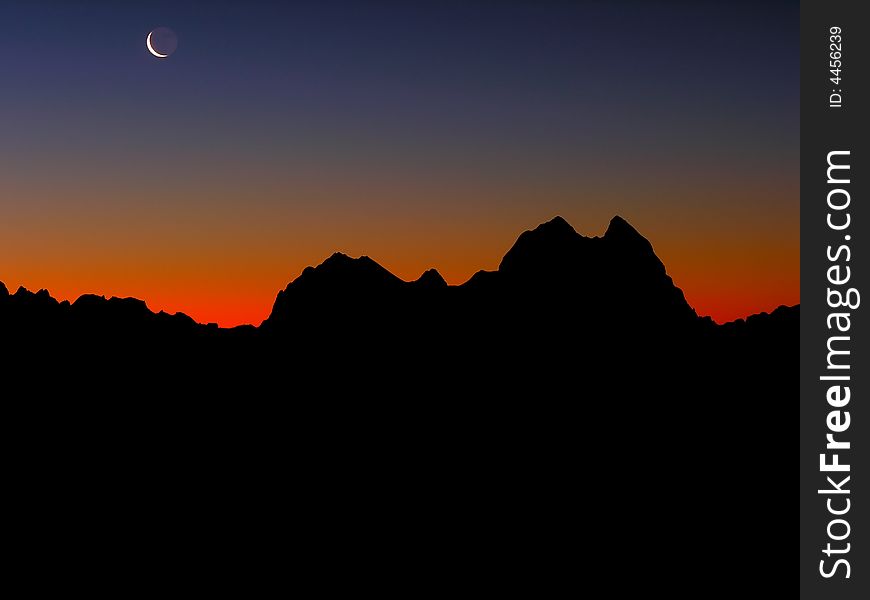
[
  {"x": 161, "y": 42},
  {"x": 151, "y": 48}
]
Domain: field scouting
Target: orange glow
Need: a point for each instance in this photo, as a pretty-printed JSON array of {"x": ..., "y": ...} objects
[
  {"x": 198, "y": 252},
  {"x": 231, "y": 277},
  {"x": 422, "y": 137}
]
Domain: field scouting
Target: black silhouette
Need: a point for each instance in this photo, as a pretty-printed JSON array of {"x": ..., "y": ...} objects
[
  {"x": 561, "y": 308},
  {"x": 572, "y": 397}
]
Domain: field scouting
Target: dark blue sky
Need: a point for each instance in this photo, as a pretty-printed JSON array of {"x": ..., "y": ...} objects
[{"x": 430, "y": 117}]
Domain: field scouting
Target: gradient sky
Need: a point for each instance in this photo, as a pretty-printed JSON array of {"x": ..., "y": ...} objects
[{"x": 423, "y": 134}]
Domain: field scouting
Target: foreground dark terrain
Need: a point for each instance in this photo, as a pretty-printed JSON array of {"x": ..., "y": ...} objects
[{"x": 570, "y": 402}]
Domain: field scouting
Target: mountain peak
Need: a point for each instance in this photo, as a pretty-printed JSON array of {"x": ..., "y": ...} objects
[
  {"x": 332, "y": 282},
  {"x": 621, "y": 233},
  {"x": 619, "y": 228},
  {"x": 337, "y": 258},
  {"x": 3, "y": 291},
  {"x": 42, "y": 296},
  {"x": 557, "y": 223},
  {"x": 340, "y": 259},
  {"x": 543, "y": 244},
  {"x": 431, "y": 279}
]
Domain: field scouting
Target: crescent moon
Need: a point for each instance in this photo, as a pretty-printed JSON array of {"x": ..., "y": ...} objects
[{"x": 151, "y": 48}]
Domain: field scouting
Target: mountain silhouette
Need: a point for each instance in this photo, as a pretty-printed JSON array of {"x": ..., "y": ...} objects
[
  {"x": 553, "y": 284},
  {"x": 618, "y": 272},
  {"x": 572, "y": 394},
  {"x": 550, "y": 272},
  {"x": 560, "y": 306}
]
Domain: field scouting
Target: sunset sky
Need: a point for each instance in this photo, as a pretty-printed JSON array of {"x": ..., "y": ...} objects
[{"x": 422, "y": 134}]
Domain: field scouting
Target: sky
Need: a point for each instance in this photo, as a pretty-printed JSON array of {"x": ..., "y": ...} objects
[{"x": 422, "y": 134}]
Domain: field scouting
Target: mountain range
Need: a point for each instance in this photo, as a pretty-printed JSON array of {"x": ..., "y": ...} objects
[
  {"x": 570, "y": 397},
  {"x": 557, "y": 300}
]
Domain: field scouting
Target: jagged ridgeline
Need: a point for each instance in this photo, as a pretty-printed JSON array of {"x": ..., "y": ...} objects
[
  {"x": 559, "y": 302},
  {"x": 572, "y": 394}
]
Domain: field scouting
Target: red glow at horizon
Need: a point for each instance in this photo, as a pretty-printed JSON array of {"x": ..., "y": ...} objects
[{"x": 723, "y": 284}]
